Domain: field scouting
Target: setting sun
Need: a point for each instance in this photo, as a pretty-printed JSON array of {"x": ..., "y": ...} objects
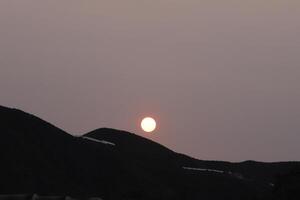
[{"x": 148, "y": 124}]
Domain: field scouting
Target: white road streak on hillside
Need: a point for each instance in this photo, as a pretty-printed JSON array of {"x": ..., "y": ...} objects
[
  {"x": 99, "y": 141},
  {"x": 203, "y": 169}
]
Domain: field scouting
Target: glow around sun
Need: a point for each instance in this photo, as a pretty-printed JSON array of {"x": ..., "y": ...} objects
[{"x": 148, "y": 124}]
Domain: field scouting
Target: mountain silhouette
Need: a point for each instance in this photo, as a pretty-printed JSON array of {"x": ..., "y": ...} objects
[{"x": 39, "y": 158}]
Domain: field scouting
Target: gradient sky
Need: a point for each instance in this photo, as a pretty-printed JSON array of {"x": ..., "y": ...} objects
[{"x": 222, "y": 77}]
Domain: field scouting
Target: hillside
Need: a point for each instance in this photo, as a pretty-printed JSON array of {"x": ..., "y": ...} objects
[{"x": 39, "y": 158}]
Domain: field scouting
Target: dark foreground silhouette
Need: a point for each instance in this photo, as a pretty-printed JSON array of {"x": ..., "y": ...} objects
[{"x": 39, "y": 158}]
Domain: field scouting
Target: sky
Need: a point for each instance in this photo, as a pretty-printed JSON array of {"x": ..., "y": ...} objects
[{"x": 221, "y": 77}]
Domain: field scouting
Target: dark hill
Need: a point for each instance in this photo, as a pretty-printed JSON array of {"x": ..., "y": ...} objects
[{"x": 37, "y": 157}]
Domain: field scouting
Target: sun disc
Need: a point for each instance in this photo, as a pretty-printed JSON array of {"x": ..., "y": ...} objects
[{"x": 148, "y": 124}]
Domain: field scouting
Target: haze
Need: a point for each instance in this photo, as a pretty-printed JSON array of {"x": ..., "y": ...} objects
[{"x": 222, "y": 78}]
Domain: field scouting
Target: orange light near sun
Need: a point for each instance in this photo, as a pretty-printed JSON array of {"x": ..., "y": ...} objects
[{"x": 148, "y": 124}]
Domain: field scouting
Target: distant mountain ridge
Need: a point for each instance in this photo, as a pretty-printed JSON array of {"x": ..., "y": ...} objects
[{"x": 37, "y": 157}]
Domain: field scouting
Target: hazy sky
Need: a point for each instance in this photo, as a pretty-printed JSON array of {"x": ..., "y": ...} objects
[{"x": 222, "y": 77}]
